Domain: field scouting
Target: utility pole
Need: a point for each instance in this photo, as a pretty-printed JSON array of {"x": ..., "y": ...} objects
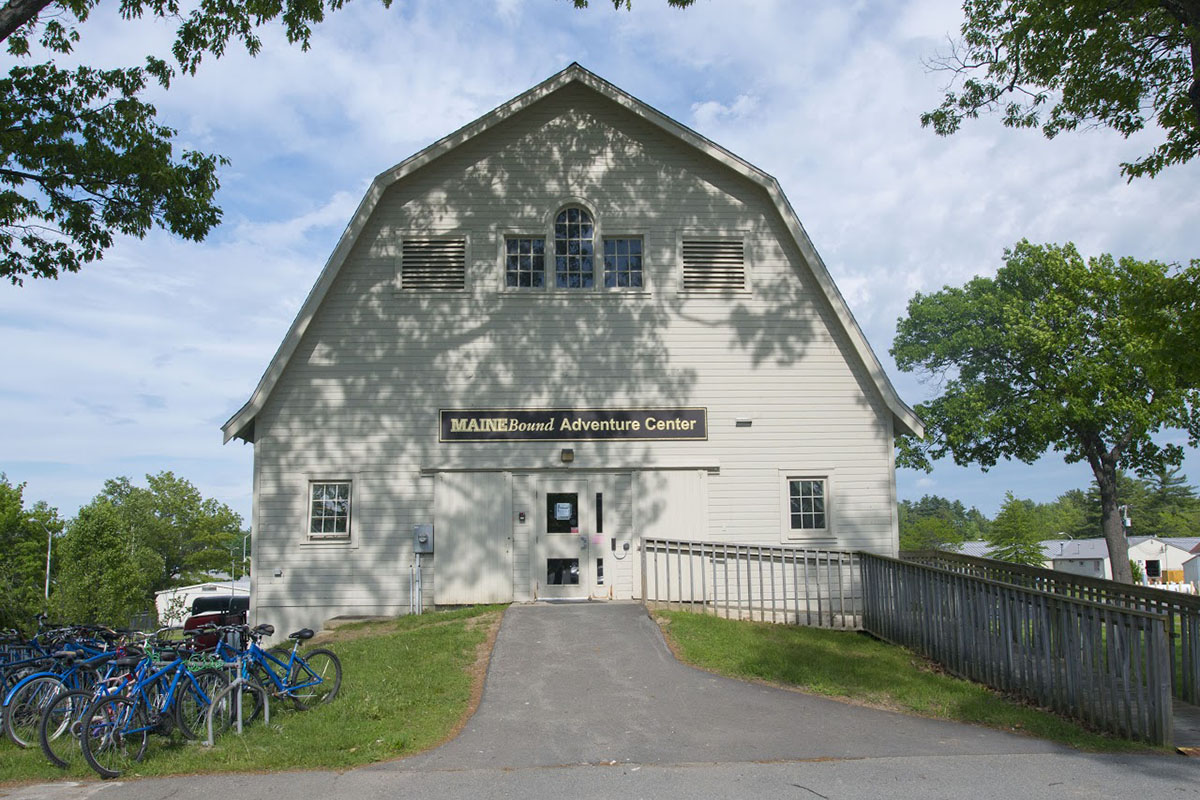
[{"x": 49, "y": 542}]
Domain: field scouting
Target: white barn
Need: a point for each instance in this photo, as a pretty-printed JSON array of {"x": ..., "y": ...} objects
[{"x": 572, "y": 323}]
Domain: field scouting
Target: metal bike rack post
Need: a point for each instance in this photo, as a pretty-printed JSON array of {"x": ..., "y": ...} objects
[{"x": 236, "y": 686}]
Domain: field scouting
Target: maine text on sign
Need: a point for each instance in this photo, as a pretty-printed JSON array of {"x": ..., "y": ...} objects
[{"x": 572, "y": 424}]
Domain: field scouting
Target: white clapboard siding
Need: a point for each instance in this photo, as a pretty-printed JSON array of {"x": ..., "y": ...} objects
[{"x": 360, "y": 394}]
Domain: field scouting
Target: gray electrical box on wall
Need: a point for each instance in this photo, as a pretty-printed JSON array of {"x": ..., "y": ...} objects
[{"x": 422, "y": 538}]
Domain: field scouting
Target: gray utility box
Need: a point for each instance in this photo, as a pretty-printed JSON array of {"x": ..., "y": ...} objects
[{"x": 422, "y": 538}]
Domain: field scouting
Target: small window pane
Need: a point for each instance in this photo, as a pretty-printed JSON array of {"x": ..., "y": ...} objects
[
  {"x": 525, "y": 262},
  {"x": 574, "y": 246},
  {"x": 623, "y": 263},
  {"x": 806, "y": 503},
  {"x": 329, "y": 508}
]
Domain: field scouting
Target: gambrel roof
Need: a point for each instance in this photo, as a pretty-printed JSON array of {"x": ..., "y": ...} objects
[{"x": 241, "y": 424}]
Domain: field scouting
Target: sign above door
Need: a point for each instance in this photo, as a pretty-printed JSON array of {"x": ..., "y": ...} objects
[{"x": 572, "y": 424}]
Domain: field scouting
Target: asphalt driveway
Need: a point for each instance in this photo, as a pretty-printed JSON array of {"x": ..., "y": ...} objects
[{"x": 594, "y": 683}]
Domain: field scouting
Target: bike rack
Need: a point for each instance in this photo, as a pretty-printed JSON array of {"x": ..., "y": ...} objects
[{"x": 236, "y": 685}]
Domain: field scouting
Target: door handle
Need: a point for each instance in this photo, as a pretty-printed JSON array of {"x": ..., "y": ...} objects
[{"x": 583, "y": 541}]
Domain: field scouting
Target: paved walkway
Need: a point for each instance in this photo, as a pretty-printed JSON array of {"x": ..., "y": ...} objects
[
  {"x": 585, "y": 701},
  {"x": 594, "y": 683}
]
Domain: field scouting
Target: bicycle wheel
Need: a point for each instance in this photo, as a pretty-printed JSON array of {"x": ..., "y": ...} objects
[
  {"x": 191, "y": 707},
  {"x": 23, "y": 712},
  {"x": 252, "y": 698},
  {"x": 317, "y": 677},
  {"x": 113, "y": 735},
  {"x": 58, "y": 732}
]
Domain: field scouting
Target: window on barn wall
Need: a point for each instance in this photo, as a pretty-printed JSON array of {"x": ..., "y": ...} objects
[
  {"x": 525, "y": 262},
  {"x": 622, "y": 263},
  {"x": 574, "y": 249},
  {"x": 329, "y": 510},
  {"x": 806, "y": 511}
]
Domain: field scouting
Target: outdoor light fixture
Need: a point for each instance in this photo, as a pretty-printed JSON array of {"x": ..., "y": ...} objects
[{"x": 568, "y": 455}]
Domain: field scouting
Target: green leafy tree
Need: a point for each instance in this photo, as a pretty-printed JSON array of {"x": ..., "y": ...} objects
[
  {"x": 929, "y": 533},
  {"x": 1070, "y": 512},
  {"x": 1014, "y": 534},
  {"x": 107, "y": 574},
  {"x": 954, "y": 523},
  {"x": 132, "y": 541},
  {"x": 1054, "y": 353},
  {"x": 83, "y": 157},
  {"x": 192, "y": 536},
  {"x": 1056, "y": 65},
  {"x": 23, "y": 542}
]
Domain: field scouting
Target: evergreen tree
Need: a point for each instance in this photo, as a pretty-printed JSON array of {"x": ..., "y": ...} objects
[{"x": 1014, "y": 536}]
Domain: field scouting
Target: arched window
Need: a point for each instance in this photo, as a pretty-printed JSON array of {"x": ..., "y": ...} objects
[{"x": 574, "y": 249}]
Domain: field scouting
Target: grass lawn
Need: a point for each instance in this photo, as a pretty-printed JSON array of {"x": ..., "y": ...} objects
[
  {"x": 407, "y": 685},
  {"x": 863, "y": 670}
]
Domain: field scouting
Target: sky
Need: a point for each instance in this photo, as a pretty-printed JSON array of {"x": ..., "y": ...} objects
[{"x": 131, "y": 366}]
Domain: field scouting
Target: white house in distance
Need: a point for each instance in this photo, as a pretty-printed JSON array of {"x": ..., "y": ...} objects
[
  {"x": 1087, "y": 557},
  {"x": 1162, "y": 560},
  {"x": 571, "y": 324}
]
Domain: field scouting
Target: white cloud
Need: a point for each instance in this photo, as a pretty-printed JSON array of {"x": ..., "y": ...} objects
[{"x": 132, "y": 365}]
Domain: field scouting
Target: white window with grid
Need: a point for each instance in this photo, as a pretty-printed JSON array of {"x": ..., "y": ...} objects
[
  {"x": 806, "y": 512},
  {"x": 524, "y": 262},
  {"x": 574, "y": 250},
  {"x": 329, "y": 509},
  {"x": 623, "y": 262}
]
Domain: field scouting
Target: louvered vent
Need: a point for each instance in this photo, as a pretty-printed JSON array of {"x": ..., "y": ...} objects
[
  {"x": 713, "y": 265},
  {"x": 434, "y": 264}
]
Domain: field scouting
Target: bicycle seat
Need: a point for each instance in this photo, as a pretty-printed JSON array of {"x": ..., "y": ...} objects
[
  {"x": 66, "y": 655},
  {"x": 127, "y": 661},
  {"x": 265, "y": 629},
  {"x": 303, "y": 634}
]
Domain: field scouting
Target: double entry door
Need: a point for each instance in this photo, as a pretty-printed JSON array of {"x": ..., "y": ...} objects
[{"x": 565, "y": 564}]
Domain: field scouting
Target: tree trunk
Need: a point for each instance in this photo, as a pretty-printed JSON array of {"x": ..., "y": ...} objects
[
  {"x": 1110, "y": 518},
  {"x": 16, "y": 13}
]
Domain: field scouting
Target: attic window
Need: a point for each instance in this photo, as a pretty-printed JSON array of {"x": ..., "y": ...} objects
[
  {"x": 434, "y": 264},
  {"x": 574, "y": 250},
  {"x": 714, "y": 265}
]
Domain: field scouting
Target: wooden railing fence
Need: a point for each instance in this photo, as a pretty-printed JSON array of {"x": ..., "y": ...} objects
[
  {"x": 816, "y": 588},
  {"x": 1099, "y": 662},
  {"x": 1181, "y": 610}
]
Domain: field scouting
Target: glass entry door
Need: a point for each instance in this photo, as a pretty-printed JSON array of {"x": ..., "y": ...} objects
[{"x": 562, "y": 563}]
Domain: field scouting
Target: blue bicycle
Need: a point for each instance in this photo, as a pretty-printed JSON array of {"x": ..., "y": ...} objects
[
  {"x": 28, "y": 698},
  {"x": 307, "y": 679},
  {"x": 162, "y": 694}
]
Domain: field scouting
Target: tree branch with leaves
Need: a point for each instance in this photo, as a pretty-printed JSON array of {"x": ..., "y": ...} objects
[
  {"x": 83, "y": 157},
  {"x": 1057, "y": 65}
]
